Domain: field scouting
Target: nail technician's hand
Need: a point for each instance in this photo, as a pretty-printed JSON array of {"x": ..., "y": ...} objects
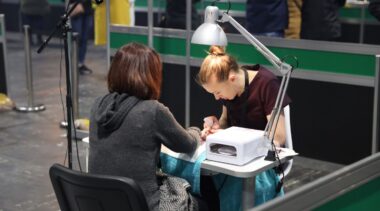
[{"x": 210, "y": 126}]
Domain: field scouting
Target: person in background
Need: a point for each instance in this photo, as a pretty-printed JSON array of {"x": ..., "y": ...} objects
[
  {"x": 175, "y": 15},
  {"x": 374, "y": 8},
  {"x": 320, "y": 19},
  {"x": 267, "y": 17},
  {"x": 128, "y": 125},
  {"x": 82, "y": 23},
  {"x": 294, "y": 27},
  {"x": 33, "y": 13},
  {"x": 248, "y": 95}
]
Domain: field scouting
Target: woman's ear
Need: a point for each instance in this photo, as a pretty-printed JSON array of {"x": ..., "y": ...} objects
[{"x": 232, "y": 77}]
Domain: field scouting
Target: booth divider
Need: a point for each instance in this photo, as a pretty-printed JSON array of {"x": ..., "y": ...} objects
[{"x": 354, "y": 187}]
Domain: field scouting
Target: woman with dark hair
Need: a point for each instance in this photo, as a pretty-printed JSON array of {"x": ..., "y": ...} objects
[{"x": 128, "y": 125}]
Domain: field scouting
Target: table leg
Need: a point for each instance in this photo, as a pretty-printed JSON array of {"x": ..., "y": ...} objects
[
  {"x": 86, "y": 143},
  {"x": 87, "y": 159},
  {"x": 248, "y": 193}
]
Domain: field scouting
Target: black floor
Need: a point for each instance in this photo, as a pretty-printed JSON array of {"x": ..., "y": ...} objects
[{"x": 31, "y": 142}]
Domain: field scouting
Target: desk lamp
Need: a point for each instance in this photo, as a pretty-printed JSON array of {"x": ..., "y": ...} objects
[{"x": 210, "y": 33}]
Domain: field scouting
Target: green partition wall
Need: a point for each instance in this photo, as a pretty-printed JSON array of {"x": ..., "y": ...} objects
[
  {"x": 354, "y": 14},
  {"x": 354, "y": 187},
  {"x": 321, "y": 59},
  {"x": 58, "y": 2},
  {"x": 366, "y": 196}
]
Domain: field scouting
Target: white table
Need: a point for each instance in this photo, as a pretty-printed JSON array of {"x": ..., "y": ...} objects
[
  {"x": 86, "y": 142},
  {"x": 247, "y": 172}
]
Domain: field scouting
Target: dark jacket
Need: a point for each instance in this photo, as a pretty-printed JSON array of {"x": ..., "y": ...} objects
[
  {"x": 266, "y": 15},
  {"x": 320, "y": 19},
  {"x": 175, "y": 15},
  {"x": 126, "y": 136},
  {"x": 35, "y": 7},
  {"x": 374, "y": 8}
]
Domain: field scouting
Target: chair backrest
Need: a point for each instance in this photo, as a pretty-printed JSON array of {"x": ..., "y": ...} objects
[
  {"x": 289, "y": 141},
  {"x": 77, "y": 191}
]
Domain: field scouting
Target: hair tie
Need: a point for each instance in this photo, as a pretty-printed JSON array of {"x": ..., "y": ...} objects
[{"x": 215, "y": 54}]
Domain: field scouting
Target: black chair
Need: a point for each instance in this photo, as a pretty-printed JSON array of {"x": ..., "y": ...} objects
[{"x": 77, "y": 191}]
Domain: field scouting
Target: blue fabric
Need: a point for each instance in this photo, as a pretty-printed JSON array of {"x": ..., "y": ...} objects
[
  {"x": 230, "y": 193},
  {"x": 184, "y": 169}
]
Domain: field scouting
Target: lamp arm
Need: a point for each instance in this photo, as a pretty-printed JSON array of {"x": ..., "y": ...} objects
[
  {"x": 284, "y": 68},
  {"x": 280, "y": 65},
  {"x": 271, "y": 126}
]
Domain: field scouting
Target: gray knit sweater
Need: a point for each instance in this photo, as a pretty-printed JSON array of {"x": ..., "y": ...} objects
[{"x": 126, "y": 136}]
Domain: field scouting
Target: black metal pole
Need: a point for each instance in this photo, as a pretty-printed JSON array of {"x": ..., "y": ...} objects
[
  {"x": 69, "y": 104},
  {"x": 64, "y": 28},
  {"x": 376, "y": 109},
  {"x": 60, "y": 26}
]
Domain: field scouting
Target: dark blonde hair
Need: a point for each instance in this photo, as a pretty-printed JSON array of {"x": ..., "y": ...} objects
[
  {"x": 217, "y": 63},
  {"x": 137, "y": 70}
]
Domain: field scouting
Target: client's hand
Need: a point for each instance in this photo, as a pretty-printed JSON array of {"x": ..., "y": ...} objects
[{"x": 210, "y": 126}]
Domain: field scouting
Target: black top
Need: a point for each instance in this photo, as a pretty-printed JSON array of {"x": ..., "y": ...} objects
[{"x": 263, "y": 91}]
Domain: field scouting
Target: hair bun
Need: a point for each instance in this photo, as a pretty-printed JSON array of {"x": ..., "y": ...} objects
[{"x": 216, "y": 50}]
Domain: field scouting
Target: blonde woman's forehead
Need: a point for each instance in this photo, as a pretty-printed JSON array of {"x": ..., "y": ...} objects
[{"x": 213, "y": 85}]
